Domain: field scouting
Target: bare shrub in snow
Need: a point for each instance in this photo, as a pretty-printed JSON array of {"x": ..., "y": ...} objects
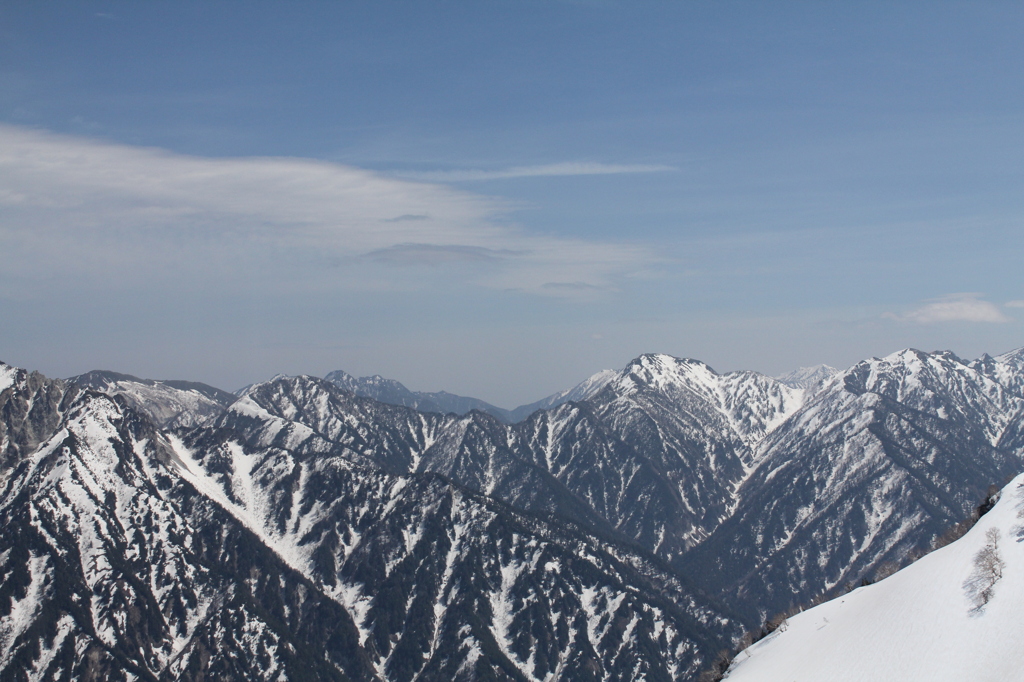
[
  {"x": 954, "y": 533},
  {"x": 988, "y": 569},
  {"x": 885, "y": 570},
  {"x": 718, "y": 669},
  {"x": 1018, "y": 530}
]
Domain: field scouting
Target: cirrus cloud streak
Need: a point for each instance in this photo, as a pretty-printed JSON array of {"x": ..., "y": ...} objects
[
  {"x": 565, "y": 169},
  {"x": 77, "y": 205}
]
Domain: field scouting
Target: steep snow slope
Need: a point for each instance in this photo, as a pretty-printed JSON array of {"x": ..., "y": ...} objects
[
  {"x": 953, "y": 615},
  {"x": 8, "y": 375},
  {"x": 114, "y": 570}
]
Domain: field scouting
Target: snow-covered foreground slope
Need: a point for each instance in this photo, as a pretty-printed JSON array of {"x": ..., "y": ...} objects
[{"x": 954, "y": 615}]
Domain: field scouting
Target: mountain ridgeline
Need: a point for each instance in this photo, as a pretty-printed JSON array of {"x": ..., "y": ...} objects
[
  {"x": 342, "y": 528},
  {"x": 394, "y": 393}
]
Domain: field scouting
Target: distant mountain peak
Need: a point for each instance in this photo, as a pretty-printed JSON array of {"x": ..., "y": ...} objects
[
  {"x": 809, "y": 377},
  {"x": 661, "y": 368},
  {"x": 587, "y": 388},
  {"x": 169, "y": 403},
  {"x": 395, "y": 393},
  {"x": 1016, "y": 356}
]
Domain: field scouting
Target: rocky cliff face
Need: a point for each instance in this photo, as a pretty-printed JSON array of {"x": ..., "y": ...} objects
[{"x": 31, "y": 408}]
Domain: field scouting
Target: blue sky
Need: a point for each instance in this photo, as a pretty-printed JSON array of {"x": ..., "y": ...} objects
[{"x": 500, "y": 198}]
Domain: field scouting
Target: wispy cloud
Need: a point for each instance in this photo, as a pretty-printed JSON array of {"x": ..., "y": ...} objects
[
  {"x": 407, "y": 216},
  {"x": 1014, "y": 304},
  {"x": 82, "y": 207},
  {"x": 548, "y": 170},
  {"x": 964, "y": 307},
  {"x": 571, "y": 286},
  {"x": 434, "y": 254}
]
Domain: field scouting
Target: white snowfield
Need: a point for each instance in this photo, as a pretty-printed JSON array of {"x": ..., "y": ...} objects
[
  {"x": 956, "y": 615},
  {"x": 8, "y": 375}
]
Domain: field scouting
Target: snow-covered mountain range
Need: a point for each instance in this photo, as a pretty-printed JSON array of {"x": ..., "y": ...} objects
[
  {"x": 168, "y": 403},
  {"x": 625, "y": 529},
  {"x": 394, "y": 393},
  {"x": 872, "y": 467}
]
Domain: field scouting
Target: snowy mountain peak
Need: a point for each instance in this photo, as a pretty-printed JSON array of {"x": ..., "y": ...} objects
[
  {"x": 584, "y": 390},
  {"x": 591, "y": 385},
  {"x": 395, "y": 393},
  {"x": 987, "y": 393},
  {"x": 905, "y": 371},
  {"x": 169, "y": 403},
  {"x": 915, "y": 360},
  {"x": 752, "y": 404},
  {"x": 342, "y": 379},
  {"x": 809, "y": 377},
  {"x": 1015, "y": 357},
  {"x": 8, "y": 375},
  {"x": 666, "y": 373},
  {"x": 83, "y": 452}
]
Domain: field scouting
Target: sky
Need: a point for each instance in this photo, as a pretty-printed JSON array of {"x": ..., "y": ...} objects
[{"x": 501, "y": 198}]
